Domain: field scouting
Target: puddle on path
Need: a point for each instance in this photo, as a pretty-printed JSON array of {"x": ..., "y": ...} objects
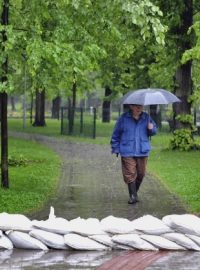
[{"x": 23, "y": 259}]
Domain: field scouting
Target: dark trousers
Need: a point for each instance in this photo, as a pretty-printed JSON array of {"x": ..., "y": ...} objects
[{"x": 133, "y": 169}]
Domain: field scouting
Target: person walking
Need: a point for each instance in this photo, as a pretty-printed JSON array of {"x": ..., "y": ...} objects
[{"x": 131, "y": 139}]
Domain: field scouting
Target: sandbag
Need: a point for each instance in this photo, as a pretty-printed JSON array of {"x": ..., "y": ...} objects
[
  {"x": 52, "y": 240},
  {"x": 82, "y": 243},
  {"x": 86, "y": 227},
  {"x": 186, "y": 223},
  {"x": 134, "y": 241},
  {"x": 53, "y": 224},
  {"x": 5, "y": 242},
  {"x": 182, "y": 240},
  {"x": 15, "y": 222},
  {"x": 116, "y": 225},
  {"x": 56, "y": 225},
  {"x": 25, "y": 241},
  {"x": 104, "y": 239},
  {"x": 194, "y": 238},
  {"x": 161, "y": 242},
  {"x": 150, "y": 225}
]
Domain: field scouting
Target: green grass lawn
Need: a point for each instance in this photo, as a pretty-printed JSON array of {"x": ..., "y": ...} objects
[
  {"x": 178, "y": 171},
  {"x": 33, "y": 175}
]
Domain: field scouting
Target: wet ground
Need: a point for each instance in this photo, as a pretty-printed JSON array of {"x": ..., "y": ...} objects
[{"x": 91, "y": 185}]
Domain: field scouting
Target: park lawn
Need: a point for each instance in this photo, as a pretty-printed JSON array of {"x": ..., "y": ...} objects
[
  {"x": 33, "y": 176},
  {"x": 178, "y": 171}
]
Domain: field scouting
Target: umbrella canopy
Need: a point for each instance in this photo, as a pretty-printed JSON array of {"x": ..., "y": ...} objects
[{"x": 150, "y": 96}]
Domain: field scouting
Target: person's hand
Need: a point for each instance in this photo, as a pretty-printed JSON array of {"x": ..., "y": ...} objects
[{"x": 150, "y": 126}]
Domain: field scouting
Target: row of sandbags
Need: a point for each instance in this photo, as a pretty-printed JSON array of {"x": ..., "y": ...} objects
[{"x": 172, "y": 232}]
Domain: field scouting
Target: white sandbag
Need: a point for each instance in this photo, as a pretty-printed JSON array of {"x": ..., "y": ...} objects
[
  {"x": 161, "y": 242},
  {"x": 5, "y": 242},
  {"x": 86, "y": 227},
  {"x": 122, "y": 247},
  {"x": 116, "y": 225},
  {"x": 15, "y": 222},
  {"x": 52, "y": 240},
  {"x": 194, "y": 238},
  {"x": 104, "y": 239},
  {"x": 107, "y": 241},
  {"x": 52, "y": 213},
  {"x": 150, "y": 225},
  {"x": 56, "y": 225},
  {"x": 134, "y": 241},
  {"x": 82, "y": 243},
  {"x": 25, "y": 241},
  {"x": 186, "y": 223},
  {"x": 182, "y": 240},
  {"x": 53, "y": 224}
]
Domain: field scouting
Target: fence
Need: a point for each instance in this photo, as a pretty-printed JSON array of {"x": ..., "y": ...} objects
[
  {"x": 88, "y": 122},
  {"x": 78, "y": 121}
]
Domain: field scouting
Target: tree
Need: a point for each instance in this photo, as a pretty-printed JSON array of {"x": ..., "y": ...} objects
[
  {"x": 4, "y": 100},
  {"x": 40, "y": 109},
  {"x": 56, "y": 102},
  {"x": 179, "y": 41},
  {"x": 60, "y": 38}
]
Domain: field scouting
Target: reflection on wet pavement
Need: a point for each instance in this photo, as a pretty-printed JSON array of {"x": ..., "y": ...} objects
[
  {"x": 184, "y": 260},
  {"x": 22, "y": 259}
]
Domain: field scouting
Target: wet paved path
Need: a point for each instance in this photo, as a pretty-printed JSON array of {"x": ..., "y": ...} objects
[{"x": 91, "y": 185}]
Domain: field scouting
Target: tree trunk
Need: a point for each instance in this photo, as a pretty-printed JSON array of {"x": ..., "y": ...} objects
[
  {"x": 183, "y": 80},
  {"x": 31, "y": 109},
  {"x": 56, "y": 107},
  {"x": 4, "y": 105},
  {"x": 12, "y": 102},
  {"x": 4, "y": 141},
  {"x": 40, "y": 109},
  {"x": 106, "y": 112},
  {"x": 72, "y": 108}
]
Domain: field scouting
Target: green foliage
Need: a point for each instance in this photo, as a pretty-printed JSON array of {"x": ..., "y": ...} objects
[
  {"x": 183, "y": 140},
  {"x": 194, "y": 99},
  {"x": 185, "y": 118},
  {"x": 54, "y": 39},
  {"x": 21, "y": 160}
]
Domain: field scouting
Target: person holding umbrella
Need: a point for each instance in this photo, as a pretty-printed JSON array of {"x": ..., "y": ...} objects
[
  {"x": 132, "y": 132},
  {"x": 130, "y": 139}
]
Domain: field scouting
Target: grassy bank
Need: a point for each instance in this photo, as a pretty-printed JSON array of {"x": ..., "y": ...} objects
[
  {"x": 178, "y": 171},
  {"x": 33, "y": 176}
]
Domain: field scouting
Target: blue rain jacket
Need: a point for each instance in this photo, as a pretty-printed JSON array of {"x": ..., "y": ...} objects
[{"x": 130, "y": 137}]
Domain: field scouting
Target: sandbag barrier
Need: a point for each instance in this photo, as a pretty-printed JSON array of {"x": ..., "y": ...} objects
[{"x": 172, "y": 232}]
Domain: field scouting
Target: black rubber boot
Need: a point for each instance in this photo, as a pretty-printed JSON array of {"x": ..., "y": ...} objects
[
  {"x": 137, "y": 184},
  {"x": 132, "y": 192}
]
